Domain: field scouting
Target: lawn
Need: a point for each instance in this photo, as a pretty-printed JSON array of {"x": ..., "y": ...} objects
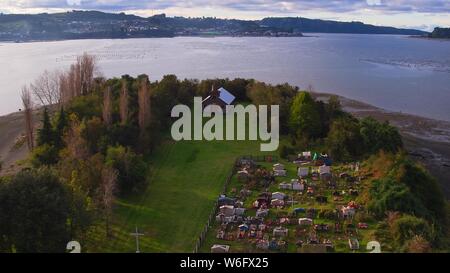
[{"x": 184, "y": 183}]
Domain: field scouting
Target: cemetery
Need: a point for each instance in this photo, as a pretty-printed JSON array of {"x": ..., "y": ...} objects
[{"x": 307, "y": 205}]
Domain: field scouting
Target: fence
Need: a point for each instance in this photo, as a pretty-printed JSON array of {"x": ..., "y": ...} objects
[{"x": 212, "y": 215}]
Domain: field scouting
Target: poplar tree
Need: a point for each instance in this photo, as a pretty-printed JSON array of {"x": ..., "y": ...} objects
[
  {"x": 45, "y": 134},
  {"x": 61, "y": 125}
]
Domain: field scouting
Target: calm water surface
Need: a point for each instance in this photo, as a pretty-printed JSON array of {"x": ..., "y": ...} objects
[{"x": 393, "y": 72}]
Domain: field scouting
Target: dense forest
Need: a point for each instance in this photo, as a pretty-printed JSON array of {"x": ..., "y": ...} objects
[{"x": 97, "y": 136}]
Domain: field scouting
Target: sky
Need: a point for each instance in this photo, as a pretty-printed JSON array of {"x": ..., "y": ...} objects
[{"x": 418, "y": 14}]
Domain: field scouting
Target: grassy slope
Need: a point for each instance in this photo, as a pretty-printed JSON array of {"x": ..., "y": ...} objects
[{"x": 186, "y": 179}]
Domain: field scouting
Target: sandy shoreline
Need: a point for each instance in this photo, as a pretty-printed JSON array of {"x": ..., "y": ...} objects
[{"x": 427, "y": 140}]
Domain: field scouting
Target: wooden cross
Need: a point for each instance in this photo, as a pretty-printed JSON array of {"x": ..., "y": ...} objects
[{"x": 137, "y": 234}]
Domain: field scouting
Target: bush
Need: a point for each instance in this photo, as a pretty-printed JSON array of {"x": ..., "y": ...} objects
[
  {"x": 44, "y": 155},
  {"x": 124, "y": 135},
  {"x": 285, "y": 151},
  {"x": 389, "y": 195},
  {"x": 418, "y": 244},
  {"x": 92, "y": 131},
  {"x": 328, "y": 214},
  {"x": 363, "y": 217},
  {"x": 425, "y": 188},
  {"x": 131, "y": 167},
  {"x": 87, "y": 106},
  {"x": 304, "y": 116},
  {"x": 408, "y": 226},
  {"x": 34, "y": 213},
  {"x": 380, "y": 136},
  {"x": 344, "y": 140}
]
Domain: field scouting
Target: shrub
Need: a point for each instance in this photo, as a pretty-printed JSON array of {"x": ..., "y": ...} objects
[
  {"x": 408, "y": 226},
  {"x": 125, "y": 135},
  {"x": 328, "y": 214},
  {"x": 44, "y": 155},
  {"x": 344, "y": 140},
  {"x": 34, "y": 213},
  {"x": 380, "y": 136},
  {"x": 389, "y": 195},
  {"x": 86, "y": 106},
  {"x": 304, "y": 116},
  {"x": 131, "y": 167},
  {"x": 92, "y": 131},
  {"x": 285, "y": 151},
  {"x": 363, "y": 217},
  {"x": 418, "y": 244}
]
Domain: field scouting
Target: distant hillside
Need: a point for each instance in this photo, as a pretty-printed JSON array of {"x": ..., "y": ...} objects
[
  {"x": 95, "y": 24},
  {"x": 440, "y": 33},
  {"x": 325, "y": 26}
]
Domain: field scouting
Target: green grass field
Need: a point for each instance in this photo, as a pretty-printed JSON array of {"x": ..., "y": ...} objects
[{"x": 184, "y": 183}]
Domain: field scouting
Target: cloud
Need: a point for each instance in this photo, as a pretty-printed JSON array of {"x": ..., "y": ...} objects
[
  {"x": 379, "y": 12},
  {"x": 421, "y": 6}
]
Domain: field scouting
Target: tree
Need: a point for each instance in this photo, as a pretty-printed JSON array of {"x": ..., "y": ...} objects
[
  {"x": 408, "y": 226},
  {"x": 37, "y": 209},
  {"x": 418, "y": 244},
  {"x": 28, "y": 114},
  {"x": 304, "y": 117},
  {"x": 239, "y": 88},
  {"x": 45, "y": 135},
  {"x": 5, "y": 217},
  {"x": 93, "y": 131},
  {"x": 380, "y": 136},
  {"x": 131, "y": 167},
  {"x": 61, "y": 125},
  {"x": 76, "y": 144},
  {"x": 107, "y": 197},
  {"x": 165, "y": 96},
  {"x": 46, "y": 88},
  {"x": 333, "y": 105},
  {"x": 186, "y": 91},
  {"x": 81, "y": 210},
  {"x": 107, "y": 106},
  {"x": 425, "y": 188},
  {"x": 44, "y": 154},
  {"x": 87, "y": 106},
  {"x": 79, "y": 79},
  {"x": 144, "y": 106},
  {"x": 123, "y": 102},
  {"x": 389, "y": 195},
  {"x": 83, "y": 174},
  {"x": 263, "y": 94},
  {"x": 285, "y": 151},
  {"x": 344, "y": 140},
  {"x": 87, "y": 67}
]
